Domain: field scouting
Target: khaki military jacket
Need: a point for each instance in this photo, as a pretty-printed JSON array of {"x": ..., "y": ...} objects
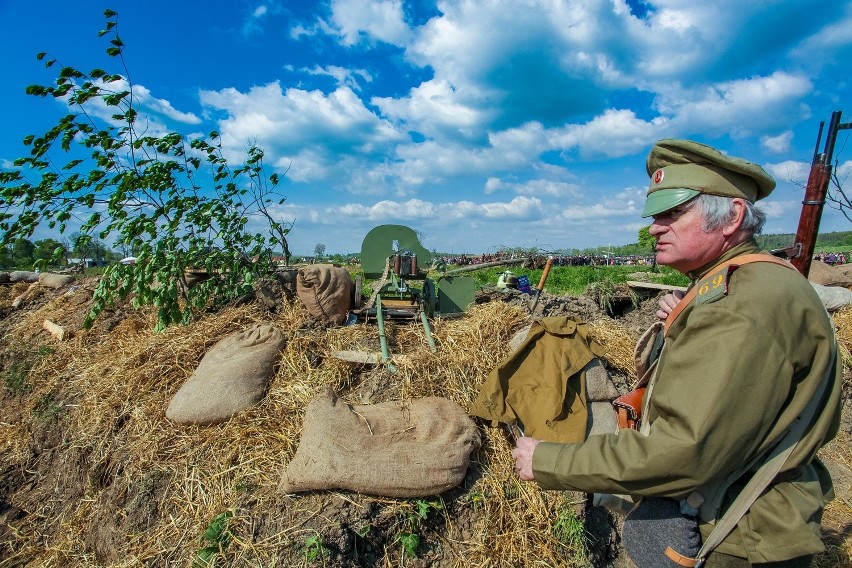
[
  {"x": 542, "y": 384},
  {"x": 737, "y": 368}
]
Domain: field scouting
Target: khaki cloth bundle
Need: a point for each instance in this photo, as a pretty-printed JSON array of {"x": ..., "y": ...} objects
[
  {"x": 388, "y": 449},
  {"x": 551, "y": 384}
]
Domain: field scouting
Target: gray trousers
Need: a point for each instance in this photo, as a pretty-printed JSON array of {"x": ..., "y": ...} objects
[{"x": 719, "y": 560}]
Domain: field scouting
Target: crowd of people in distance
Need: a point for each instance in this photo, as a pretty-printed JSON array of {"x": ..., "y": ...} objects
[
  {"x": 832, "y": 258},
  {"x": 558, "y": 260}
]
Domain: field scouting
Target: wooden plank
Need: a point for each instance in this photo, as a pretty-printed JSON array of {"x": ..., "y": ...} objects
[
  {"x": 365, "y": 357},
  {"x": 655, "y": 286}
]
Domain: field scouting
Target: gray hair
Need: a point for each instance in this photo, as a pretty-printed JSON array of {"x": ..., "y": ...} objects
[{"x": 716, "y": 211}]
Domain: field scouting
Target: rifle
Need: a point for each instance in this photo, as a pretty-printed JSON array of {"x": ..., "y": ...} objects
[{"x": 802, "y": 251}]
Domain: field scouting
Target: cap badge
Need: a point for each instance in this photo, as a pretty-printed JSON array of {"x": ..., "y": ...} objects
[{"x": 659, "y": 175}]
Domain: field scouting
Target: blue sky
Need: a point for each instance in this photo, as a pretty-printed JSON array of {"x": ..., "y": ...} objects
[{"x": 481, "y": 124}]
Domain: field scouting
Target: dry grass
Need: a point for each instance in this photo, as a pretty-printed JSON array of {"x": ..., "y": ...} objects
[
  {"x": 124, "y": 465},
  {"x": 121, "y": 463},
  {"x": 618, "y": 343}
]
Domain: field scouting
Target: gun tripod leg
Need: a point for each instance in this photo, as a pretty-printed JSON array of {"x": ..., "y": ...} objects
[
  {"x": 428, "y": 330},
  {"x": 383, "y": 340}
]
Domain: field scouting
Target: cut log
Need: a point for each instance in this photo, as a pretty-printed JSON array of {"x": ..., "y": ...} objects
[
  {"x": 19, "y": 301},
  {"x": 55, "y": 330}
]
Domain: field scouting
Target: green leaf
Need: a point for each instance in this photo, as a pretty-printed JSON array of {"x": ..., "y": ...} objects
[
  {"x": 410, "y": 542},
  {"x": 216, "y": 531},
  {"x": 205, "y": 556}
]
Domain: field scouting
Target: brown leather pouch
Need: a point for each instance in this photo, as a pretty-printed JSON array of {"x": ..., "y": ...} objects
[{"x": 628, "y": 407}]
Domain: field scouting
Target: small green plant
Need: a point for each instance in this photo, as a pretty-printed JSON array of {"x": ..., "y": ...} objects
[
  {"x": 244, "y": 486},
  {"x": 16, "y": 378},
  {"x": 409, "y": 536},
  {"x": 476, "y": 499},
  {"x": 424, "y": 507},
  {"x": 217, "y": 536},
  {"x": 410, "y": 542},
  {"x": 362, "y": 533},
  {"x": 569, "y": 530},
  {"x": 313, "y": 549},
  {"x": 48, "y": 408},
  {"x": 18, "y": 372},
  {"x": 603, "y": 292},
  {"x": 44, "y": 350}
]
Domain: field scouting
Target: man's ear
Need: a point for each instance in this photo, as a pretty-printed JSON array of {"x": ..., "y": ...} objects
[{"x": 738, "y": 209}]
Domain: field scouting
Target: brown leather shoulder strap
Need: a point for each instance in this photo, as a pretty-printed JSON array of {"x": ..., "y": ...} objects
[{"x": 736, "y": 261}]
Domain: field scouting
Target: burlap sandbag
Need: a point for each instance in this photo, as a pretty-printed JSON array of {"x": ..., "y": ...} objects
[
  {"x": 389, "y": 449},
  {"x": 326, "y": 291},
  {"x": 834, "y": 298},
  {"x": 233, "y": 375},
  {"x": 51, "y": 280}
]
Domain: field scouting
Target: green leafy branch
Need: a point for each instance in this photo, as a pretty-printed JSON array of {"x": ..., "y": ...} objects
[{"x": 176, "y": 203}]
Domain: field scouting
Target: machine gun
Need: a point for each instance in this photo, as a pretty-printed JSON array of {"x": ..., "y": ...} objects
[{"x": 393, "y": 256}]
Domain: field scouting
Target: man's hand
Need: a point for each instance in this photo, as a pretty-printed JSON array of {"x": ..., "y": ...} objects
[
  {"x": 523, "y": 455},
  {"x": 668, "y": 303}
]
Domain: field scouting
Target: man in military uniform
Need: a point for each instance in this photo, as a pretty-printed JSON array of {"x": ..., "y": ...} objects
[{"x": 739, "y": 365}]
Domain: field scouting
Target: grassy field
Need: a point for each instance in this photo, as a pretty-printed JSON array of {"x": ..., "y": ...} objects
[
  {"x": 565, "y": 280},
  {"x": 575, "y": 280}
]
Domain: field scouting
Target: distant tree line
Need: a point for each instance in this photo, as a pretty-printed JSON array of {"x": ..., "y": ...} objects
[
  {"x": 24, "y": 254},
  {"x": 842, "y": 239}
]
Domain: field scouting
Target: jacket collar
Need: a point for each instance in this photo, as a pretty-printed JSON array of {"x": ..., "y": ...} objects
[{"x": 746, "y": 247}]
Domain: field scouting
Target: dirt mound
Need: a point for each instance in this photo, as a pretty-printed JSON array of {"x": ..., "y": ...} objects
[
  {"x": 92, "y": 473},
  {"x": 828, "y": 275}
]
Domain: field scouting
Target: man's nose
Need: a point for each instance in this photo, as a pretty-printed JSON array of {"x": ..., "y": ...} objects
[{"x": 656, "y": 229}]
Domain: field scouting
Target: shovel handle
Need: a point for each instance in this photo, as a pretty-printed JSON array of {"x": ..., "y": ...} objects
[{"x": 545, "y": 272}]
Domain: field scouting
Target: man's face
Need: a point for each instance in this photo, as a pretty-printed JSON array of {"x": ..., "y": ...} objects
[{"x": 681, "y": 242}]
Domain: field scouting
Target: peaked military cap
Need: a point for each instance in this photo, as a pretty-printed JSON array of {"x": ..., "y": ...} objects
[{"x": 681, "y": 169}]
